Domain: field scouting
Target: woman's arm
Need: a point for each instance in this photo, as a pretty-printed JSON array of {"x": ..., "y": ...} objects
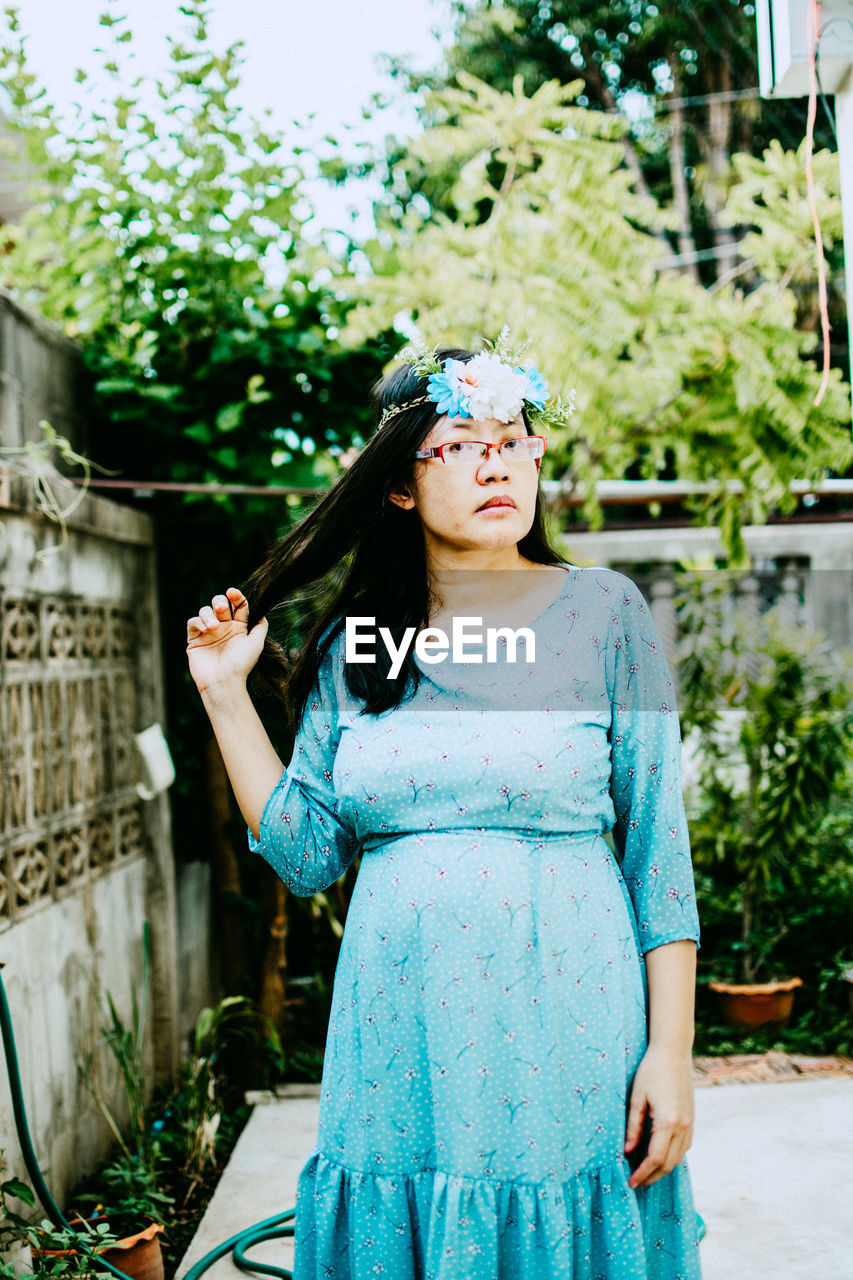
[
  {"x": 652, "y": 842},
  {"x": 663, "y": 1082},
  {"x": 291, "y": 813},
  {"x": 251, "y": 761},
  {"x": 671, "y": 971}
]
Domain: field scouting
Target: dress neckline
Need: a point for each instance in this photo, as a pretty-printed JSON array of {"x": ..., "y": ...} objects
[
  {"x": 557, "y": 598},
  {"x": 428, "y": 668}
]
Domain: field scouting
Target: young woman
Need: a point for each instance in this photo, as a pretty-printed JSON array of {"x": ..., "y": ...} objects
[{"x": 507, "y": 1081}]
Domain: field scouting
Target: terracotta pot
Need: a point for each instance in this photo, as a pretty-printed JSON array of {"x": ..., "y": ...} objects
[
  {"x": 138, "y": 1256},
  {"x": 753, "y": 1004}
]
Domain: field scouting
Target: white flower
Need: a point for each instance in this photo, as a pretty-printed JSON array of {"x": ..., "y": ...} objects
[{"x": 491, "y": 388}]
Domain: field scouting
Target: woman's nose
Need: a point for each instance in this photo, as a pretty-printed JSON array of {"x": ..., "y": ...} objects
[{"x": 493, "y": 459}]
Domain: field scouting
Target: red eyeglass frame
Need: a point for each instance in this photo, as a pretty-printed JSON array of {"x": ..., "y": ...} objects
[{"x": 436, "y": 451}]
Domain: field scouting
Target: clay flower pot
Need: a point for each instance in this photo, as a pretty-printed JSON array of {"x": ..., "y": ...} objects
[
  {"x": 751, "y": 1005},
  {"x": 138, "y": 1255}
]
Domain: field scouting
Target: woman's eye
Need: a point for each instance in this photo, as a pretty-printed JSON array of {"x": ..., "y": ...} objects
[
  {"x": 458, "y": 446},
  {"x": 511, "y": 446}
]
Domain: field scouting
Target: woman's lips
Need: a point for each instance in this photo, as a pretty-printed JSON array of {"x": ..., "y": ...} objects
[{"x": 497, "y": 504}]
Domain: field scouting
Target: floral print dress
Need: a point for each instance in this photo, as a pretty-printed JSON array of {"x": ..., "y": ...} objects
[{"x": 490, "y": 998}]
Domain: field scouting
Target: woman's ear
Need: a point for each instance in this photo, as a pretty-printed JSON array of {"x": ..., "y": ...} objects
[{"x": 402, "y": 499}]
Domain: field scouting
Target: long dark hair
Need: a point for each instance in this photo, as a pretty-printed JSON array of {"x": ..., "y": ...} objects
[{"x": 376, "y": 550}]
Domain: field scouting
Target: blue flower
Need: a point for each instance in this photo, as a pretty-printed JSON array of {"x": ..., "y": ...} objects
[
  {"x": 537, "y": 393},
  {"x": 445, "y": 390}
]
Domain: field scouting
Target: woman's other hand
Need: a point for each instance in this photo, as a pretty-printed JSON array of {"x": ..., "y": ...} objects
[
  {"x": 663, "y": 1088},
  {"x": 220, "y": 647}
]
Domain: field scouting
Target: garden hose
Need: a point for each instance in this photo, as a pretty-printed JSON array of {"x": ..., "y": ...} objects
[
  {"x": 240, "y": 1243},
  {"x": 269, "y": 1229}
]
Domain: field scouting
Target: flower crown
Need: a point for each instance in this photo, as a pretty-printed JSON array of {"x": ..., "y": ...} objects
[{"x": 489, "y": 385}]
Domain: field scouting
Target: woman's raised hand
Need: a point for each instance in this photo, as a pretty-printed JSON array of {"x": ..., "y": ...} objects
[{"x": 220, "y": 646}]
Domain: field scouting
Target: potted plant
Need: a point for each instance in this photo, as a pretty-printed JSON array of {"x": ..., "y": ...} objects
[
  {"x": 126, "y": 1235},
  {"x": 769, "y": 711},
  {"x": 53, "y": 1251},
  {"x": 134, "y": 1207},
  {"x": 57, "y": 1251}
]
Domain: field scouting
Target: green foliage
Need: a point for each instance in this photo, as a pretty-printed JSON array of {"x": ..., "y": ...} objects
[
  {"x": 14, "y": 1188},
  {"x": 769, "y": 194},
  {"x": 125, "y": 198},
  {"x": 57, "y": 1251},
  {"x": 195, "y": 1110},
  {"x": 771, "y": 814},
  {"x": 65, "y": 1257},
  {"x": 166, "y": 234},
  {"x": 540, "y": 227},
  {"x": 129, "y": 1193},
  {"x": 642, "y": 59}
]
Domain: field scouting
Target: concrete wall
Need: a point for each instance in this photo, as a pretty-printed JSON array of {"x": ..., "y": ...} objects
[
  {"x": 42, "y": 377},
  {"x": 198, "y": 961},
  {"x": 50, "y": 957}
]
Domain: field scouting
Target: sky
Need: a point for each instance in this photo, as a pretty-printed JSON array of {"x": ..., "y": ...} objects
[{"x": 300, "y": 57}]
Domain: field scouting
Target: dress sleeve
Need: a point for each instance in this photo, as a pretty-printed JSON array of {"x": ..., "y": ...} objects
[
  {"x": 650, "y": 829},
  {"x": 302, "y": 835}
]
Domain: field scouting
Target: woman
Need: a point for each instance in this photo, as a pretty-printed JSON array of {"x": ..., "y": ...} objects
[{"x": 507, "y": 1080}]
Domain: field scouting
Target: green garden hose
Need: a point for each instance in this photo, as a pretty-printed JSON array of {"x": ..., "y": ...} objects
[{"x": 270, "y": 1229}]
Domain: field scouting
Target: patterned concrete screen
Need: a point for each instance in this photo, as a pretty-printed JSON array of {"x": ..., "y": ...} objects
[{"x": 68, "y": 803}]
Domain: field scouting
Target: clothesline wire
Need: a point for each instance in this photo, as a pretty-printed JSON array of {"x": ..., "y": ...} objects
[{"x": 211, "y": 487}]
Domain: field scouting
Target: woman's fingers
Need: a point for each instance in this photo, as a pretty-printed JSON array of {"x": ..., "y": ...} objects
[
  {"x": 634, "y": 1125},
  {"x": 655, "y": 1156},
  {"x": 667, "y": 1148},
  {"x": 239, "y": 603},
  {"x": 222, "y": 608}
]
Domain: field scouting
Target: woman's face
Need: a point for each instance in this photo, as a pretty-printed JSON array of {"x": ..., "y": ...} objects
[{"x": 450, "y": 498}]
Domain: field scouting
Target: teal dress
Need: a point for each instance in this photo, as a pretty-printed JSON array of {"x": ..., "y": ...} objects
[{"x": 490, "y": 998}]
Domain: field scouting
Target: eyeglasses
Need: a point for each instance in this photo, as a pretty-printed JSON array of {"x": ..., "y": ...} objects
[{"x": 522, "y": 449}]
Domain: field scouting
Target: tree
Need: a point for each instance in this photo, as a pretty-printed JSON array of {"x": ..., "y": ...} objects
[
  {"x": 168, "y": 240},
  {"x": 687, "y": 74},
  {"x": 540, "y": 227}
]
